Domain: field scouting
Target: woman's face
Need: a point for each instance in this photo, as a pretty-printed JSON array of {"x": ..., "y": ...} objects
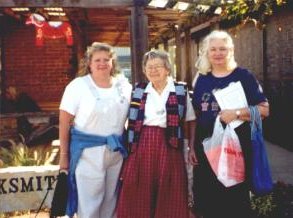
[
  {"x": 156, "y": 71},
  {"x": 101, "y": 63},
  {"x": 218, "y": 53}
]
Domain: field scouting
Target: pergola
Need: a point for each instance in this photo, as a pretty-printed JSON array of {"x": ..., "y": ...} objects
[{"x": 132, "y": 23}]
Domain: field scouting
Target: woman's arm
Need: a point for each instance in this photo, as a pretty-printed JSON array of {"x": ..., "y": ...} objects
[
  {"x": 191, "y": 126},
  {"x": 243, "y": 113},
  {"x": 65, "y": 120}
]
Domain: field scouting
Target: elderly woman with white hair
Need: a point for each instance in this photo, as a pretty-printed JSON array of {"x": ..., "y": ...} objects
[
  {"x": 154, "y": 175},
  {"x": 218, "y": 69}
]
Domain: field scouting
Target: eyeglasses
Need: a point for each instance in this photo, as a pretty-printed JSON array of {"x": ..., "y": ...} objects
[{"x": 155, "y": 67}]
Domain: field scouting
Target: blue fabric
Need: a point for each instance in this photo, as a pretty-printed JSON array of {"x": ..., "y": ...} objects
[
  {"x": 261, "y": 180},
  {"x": 78, "y": 142}
]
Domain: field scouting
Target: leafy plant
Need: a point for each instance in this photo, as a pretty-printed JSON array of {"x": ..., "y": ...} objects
[
  {"x": 21, "y": 155},
  {"x": 263, "y": 205},
  {"x": 279, "y": 204},
  {"x": 242, "y": 11}
]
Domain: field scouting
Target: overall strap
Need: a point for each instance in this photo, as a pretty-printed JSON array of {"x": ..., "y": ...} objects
[{"x": 91, "y": 87}]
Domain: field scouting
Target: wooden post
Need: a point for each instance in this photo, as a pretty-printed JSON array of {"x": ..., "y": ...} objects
[
  {"x": 166, "y": 45},
  {"x": 188, "y": 58},
  {"x": 178, "y": 52},
  {"x": 139, "y": 41}
]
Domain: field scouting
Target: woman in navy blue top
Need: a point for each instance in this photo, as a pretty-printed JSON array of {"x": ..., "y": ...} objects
[{"x": 218, "y": 69}]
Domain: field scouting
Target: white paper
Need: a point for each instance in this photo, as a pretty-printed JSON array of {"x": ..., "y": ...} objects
[{"x": 232, "y": 97}]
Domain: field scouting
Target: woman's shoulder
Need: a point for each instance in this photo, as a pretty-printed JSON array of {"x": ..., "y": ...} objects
[
  {"x": 76, "y": 82},
  {"x": 123, "y": 84},
  {"x": 242, "y": 71},
  {"x": 122, "y": 80},
  {"x": 202, "y": 78}
]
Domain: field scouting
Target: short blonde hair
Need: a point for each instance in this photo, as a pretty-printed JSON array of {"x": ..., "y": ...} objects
[
  {"x": 96, "y": 47},
  {"x": 203, "y": 64}
]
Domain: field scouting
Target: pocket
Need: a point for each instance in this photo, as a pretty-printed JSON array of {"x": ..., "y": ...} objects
[{"x": 111, "y": 158}]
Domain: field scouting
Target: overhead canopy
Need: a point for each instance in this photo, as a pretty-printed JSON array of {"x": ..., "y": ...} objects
[{"x": 104, "y": 20}]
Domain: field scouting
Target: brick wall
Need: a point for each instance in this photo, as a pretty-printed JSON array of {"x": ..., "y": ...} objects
[
  {"x": 279, "y": 89},
  {"x": 269, "y": 54},
  {"x": 280, "y": 46},
  {"x": 249, "y": 50},
  {"x": 41, "y": 72}
]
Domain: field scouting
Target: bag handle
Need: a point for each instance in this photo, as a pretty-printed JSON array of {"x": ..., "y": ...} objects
[
  {"x": 255, "y": 119},
  {"x": 218, "y": 125}
]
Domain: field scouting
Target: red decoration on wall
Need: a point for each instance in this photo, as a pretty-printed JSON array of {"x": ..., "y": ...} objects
[
  {"x": 45, "y": 30},
  {"x": 54, "y": 32}
]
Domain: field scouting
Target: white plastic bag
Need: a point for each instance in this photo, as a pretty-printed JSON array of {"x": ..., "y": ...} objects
[
  {"x": 212, "y": 145},
  {"x": 231, "y": 170}
]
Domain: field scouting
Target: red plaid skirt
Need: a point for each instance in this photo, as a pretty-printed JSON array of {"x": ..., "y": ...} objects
[{"x": 154, "y": 180}]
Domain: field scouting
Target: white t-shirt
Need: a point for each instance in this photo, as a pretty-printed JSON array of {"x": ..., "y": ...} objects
[
  {"x": 103, "y": 112},
  {"x": 155, "y": 107}
]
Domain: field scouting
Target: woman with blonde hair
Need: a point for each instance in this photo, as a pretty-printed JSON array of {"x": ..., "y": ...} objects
[
  {"x": 93, "y": 112},
  {"x": 218, "y": 69}
]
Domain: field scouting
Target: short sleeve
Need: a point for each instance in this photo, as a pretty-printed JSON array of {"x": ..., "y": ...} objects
[
  {"x": 253, "y": 90},
  {"x": 71, "y": 97}
]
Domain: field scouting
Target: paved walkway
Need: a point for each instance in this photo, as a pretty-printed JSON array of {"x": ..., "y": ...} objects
[{"x": 281, "y": 162}]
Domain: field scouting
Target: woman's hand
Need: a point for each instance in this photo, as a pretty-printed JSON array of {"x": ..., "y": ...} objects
[
  {"x": 227, "y": 116},
  {"x": 192, "y": 159}
]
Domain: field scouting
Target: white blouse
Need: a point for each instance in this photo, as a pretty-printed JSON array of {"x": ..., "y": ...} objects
[{"x": 155, "y": 107}]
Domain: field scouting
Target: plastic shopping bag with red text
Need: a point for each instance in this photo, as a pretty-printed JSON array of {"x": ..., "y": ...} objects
[
  {"x": 212, "y": 146},
  {"x": 231, "y": 170}
]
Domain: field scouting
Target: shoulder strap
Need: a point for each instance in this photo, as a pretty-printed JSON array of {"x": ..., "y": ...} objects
[
  {"x": 181, "y": 93},
  {"x": 93, "y": 90}
]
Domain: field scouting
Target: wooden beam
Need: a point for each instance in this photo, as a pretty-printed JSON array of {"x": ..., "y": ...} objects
[
  {"x": 139, "y": 41},
  {"x": 66, "y": 3},
  {"x": 178, "y": 58},
  {"x": 188, "y": 58}
]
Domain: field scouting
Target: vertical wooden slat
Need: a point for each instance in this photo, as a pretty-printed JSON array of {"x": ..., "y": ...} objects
[
  {"x": 139, "y": 41},
  {"x": 188, "y": 58},
  {"x": 178, "y": 53},
  {"x": 166, "y": 45}
]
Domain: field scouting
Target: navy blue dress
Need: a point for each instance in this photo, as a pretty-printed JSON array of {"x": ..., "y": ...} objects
[{"x": 212, "y": 199}]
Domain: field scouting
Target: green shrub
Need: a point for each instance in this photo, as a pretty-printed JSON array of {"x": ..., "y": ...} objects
[
  {"x": 279, "y": 204},
  {"x": 21, "y": 155},
  {"x": 262, "y": 206}
]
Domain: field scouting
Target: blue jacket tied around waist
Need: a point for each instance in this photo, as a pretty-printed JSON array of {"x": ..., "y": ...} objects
[{"x": 78, "y": 142}]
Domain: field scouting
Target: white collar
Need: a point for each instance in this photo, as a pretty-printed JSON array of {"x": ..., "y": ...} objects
[{"x": 170, "y": 87}]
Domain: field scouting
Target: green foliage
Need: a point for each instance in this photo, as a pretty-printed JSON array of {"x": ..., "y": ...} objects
[
  {"x": 263, "y": 205},
  {"x": 255, "y": 10},
  {"x": 21, "y": 155},
  {"x": 279, "y": 204}
]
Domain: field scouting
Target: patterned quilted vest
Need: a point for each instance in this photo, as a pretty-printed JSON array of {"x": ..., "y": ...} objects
[{"x": 175, "y": 106}]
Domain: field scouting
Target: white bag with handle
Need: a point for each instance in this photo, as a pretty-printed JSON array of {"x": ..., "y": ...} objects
[{"x": 231, "y": 170}]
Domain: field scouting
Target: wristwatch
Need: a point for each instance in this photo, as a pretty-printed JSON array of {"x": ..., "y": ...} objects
[{"x": 238, "y": 112}]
